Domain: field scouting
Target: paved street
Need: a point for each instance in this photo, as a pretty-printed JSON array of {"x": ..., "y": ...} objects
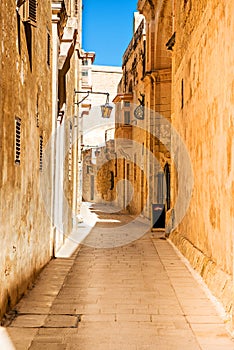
[{"x": 139, "y": 296}]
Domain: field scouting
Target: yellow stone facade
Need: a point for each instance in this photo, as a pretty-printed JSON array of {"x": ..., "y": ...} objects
[
  {"x": 98, "y": 132},
  {"x": 203, "y": 115},
  {"x": 30, "y": 88},
  {"x": 142, "y": 145},
  {"x": 25, "y": 103},
  {"x": 187, "y": 80}
]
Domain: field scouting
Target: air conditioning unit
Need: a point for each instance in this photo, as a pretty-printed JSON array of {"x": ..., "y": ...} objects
[{"x": 29, "y": 12}]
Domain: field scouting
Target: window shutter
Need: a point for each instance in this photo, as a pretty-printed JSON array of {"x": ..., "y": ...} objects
[
  {"x": 17, "y": 140},
  {"x": 33, "y": 10},
  {"x": 30, "y": 11}
]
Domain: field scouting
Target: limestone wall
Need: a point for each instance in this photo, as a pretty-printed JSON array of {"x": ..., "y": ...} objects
[
  {"x": 203, "y": 115},
  {"x": 25, "y": 93}
]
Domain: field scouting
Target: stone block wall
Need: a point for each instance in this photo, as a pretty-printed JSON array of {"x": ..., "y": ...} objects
[
  {"x": 25, "y": 98},
  {"x": 203, "y": 115}
]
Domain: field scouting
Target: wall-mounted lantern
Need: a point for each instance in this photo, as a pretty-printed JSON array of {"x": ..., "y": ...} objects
[{"x": 106, "y": 109}]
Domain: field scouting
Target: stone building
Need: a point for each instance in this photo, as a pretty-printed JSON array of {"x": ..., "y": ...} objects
[
  {"x": 97, "y": 132},
  {"x": 99, "y": 173},
  {"x": 66, "y": 40},
  {"x": 34, "y": 65},
  {"x": 130, "y": 133},
  {"x": 203, "y": 99},
  {"x": 198, "y": 33},
  {"x": 143, "y": 111}
]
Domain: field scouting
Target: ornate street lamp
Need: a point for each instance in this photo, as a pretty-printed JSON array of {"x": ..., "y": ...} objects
[{"x": 106, "y": 109}]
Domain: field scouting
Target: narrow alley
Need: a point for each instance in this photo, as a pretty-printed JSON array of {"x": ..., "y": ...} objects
[
  {"x": 117, "y": 175},
  {"x": 139, "y": 296}
]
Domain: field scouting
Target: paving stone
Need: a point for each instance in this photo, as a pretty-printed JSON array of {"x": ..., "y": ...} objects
[
  {"x": 21, "y": 337},
  {"x": 62, "y": 321},
  {"x": 29, "y": 321},
  {"x": 46, "y": 346},
  {"x": 139, "y": 296}
]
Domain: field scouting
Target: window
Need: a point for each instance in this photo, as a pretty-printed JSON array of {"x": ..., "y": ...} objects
[
  {"x": 85, "y": 62},
  {"x": 127, "y": 117},
  {"x": 29, "y": 11},
  {"x": 41, "y": 153},
  {"x": 85, "y": 73},
  {"x": 17, "y": 140},
  {"x": 126, "y": 103},
  {"x": 48, "y": 49}
]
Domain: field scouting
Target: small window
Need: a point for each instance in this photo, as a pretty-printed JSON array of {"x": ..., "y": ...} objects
[
  {"x": 17, "y": 140},
  {"x": 85, "y": 62},
  {"x": 85, "y": 73},
  {"x": 29, "y": 11},
  {"x": 127, "y": 117},
  {"x": 48, "y": 49},
  {"x": 41, "y": 153},
  {"x": 126, "y": 103}
]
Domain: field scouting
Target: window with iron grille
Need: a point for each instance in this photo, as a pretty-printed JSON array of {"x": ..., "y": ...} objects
[
  {"x": 41, "y": 153},
  {"x": 17, "y": 140}
]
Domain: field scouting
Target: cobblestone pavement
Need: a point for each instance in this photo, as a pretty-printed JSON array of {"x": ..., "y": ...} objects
[{"x": 139, "y": 296}]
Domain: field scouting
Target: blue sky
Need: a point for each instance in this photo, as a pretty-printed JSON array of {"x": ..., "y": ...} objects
[{"x": 108, "y": 29}]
